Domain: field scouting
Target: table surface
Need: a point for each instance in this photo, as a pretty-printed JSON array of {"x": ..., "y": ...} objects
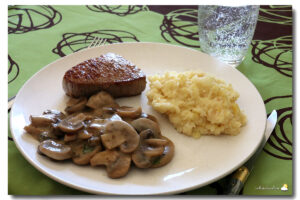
[{"x": 39, "y": 35}]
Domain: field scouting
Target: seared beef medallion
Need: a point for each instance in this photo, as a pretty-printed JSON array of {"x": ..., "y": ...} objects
[{"x": 109, "y": 72}]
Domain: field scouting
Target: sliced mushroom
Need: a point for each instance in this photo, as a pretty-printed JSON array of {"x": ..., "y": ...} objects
[
  {"x": 100, "y": 100},
  {"x": 148, "y": 116},
  {"x": 83, "y": 152},
  {"x": 57, "y": 114},
  {"x": 109, "y": 110},
  {"x": 84, "y": 134},
  {"x": 70, "y": 137},
  {"x": 113, "y": 140},
  {"x": 58, "y": 117},
  {"x": 76, "y": 104},
  {"x": 120, "y": 133},
  {"x": 42, "y": 120},
  {"x": 167, "y": 155},
  {"x": 129, "y": 112},
  {"x": 36, "y": 131},
  {"x": 72, "y": 123},
  {"x": 144, "y": 124},
  {"x": 56, "y": 130},
  {"x": 98, "y": 125},
  {"x": 47, "y": 135},
  {"x": 114, "y": 117},
  {"x": 49, "y": 117},
  {"x": 55, "y": 150},
  {"x": 117, "y": 163},
  {"x": 147, "y": 150}
]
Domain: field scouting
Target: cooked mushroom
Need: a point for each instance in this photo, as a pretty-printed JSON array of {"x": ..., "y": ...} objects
[
  {"x": 124, "y": 133},
  {"x": 42, "y": 120},
  {"x": 55, "y": 150},
  {"x": 148, "y": 116},
  {"x": 120, "y": 133},
  {"x": 114, "y": 117},
  {"x": 84, "y": 134},
  {"x": 149, "y": 148},
  {"x": 70, "y": 137},
  {"x": 47, "y": 135},
  {"x": 76, "y": 104},
  {"x": 100, "y": 100},
  {"x": 83, "y": 152},
  {"x": 167, "y": 155},
  {"x": 49, "y": 117},
  {"x": 72, "y": 123},
  {"x": 94, "y": 140},
  {"x": 57, "y": 114},
  {"x": 144, "y": 124},
  {"x": 117, "y": 163},
  {"x": 97, "y": 125},
  {"x": 36, "y": 131},
  {"x": 129, "y": 112}
]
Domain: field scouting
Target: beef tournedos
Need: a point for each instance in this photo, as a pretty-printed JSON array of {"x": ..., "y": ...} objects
[{"x": 109, "y": 72}]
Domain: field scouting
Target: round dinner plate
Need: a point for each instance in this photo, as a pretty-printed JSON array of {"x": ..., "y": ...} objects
[{"x": 196, "y": 163}]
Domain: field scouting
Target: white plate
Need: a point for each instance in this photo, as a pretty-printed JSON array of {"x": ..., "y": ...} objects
[{"x": 197, "y": 162}]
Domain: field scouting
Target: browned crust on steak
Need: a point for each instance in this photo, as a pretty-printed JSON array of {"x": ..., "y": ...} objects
[{"x": 110, "y": 72}]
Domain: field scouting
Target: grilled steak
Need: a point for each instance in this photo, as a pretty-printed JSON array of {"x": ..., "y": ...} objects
[{"x": 110, "y": 72}]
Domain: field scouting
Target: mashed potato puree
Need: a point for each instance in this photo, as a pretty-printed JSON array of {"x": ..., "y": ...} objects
[{"x": 196, "y": 103}]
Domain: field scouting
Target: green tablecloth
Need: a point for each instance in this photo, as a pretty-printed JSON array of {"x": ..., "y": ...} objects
[{"x": 38, "y": 35}]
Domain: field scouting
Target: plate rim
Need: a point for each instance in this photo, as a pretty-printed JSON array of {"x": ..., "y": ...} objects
[{"x": 183, "y": 189}]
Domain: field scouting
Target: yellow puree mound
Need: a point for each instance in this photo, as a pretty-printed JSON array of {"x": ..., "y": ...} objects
[{"x": 196, "y": 103}]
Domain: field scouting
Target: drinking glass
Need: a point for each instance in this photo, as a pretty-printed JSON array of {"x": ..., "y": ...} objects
[{"x": 226, "y": 32}]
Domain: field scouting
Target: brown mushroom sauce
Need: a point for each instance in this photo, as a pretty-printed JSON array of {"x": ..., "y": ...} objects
[{"x": 97, "y": 131}]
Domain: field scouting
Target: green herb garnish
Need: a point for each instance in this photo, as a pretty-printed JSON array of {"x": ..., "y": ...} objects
[{"x": 87, "y": 148}]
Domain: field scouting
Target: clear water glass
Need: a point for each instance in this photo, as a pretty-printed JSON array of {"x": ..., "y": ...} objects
[{"x": 226, "y": 32}]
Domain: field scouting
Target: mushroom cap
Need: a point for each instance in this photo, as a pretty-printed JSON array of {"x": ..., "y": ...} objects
[
  {"x": 84, "y": 134},
  {"x": 76, "y": 104},
  {"x": 36, "y": 131},
  {"x": 152, "y": 152},
  {"x": 104, "y": 157},
  {"x": 117, "y": 163},
  {"x": 140, "y": 160},
  {"x": 122, "y": 134},
  {"x": 49, "y": 134},
  {"x": 72, "y": 123},
  {"x": 59, "y": 115},
  {"x": 144, "y": 124},
  {"x": 148, "y": 116},
  {"x": 49, "y": 117},
  {"x": 167, "y": 155},
  {"x": 98, "y": 124},
  {"x": 142, "y": 157},
  {"x": 70, "y": 137},
  {"x": 100, "y": 100},
  {"x": 113, "y": 140},
  {"x": 55, "y": 150},
  {"x": 129, "y": 112},
  {"x": 42, "y": 120}
]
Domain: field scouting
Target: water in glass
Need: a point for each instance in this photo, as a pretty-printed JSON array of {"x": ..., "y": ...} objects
[{"x": 226, "y": 32}]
